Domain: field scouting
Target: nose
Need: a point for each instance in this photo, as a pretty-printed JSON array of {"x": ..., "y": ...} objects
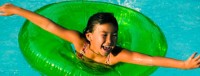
[{"x": 109, "y": 41}]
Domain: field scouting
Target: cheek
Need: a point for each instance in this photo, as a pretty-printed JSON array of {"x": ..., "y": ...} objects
[
  {"x": 114, "y": 40},
  {"x": 98, "y": 39}
]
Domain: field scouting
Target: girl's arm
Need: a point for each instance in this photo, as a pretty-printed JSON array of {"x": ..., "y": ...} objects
[
  {"x": 141, "y": 59},
  {"x": 44, "y": 23}
]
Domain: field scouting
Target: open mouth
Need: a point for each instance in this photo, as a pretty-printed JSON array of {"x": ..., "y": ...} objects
[{"x": 107, "y": 48}]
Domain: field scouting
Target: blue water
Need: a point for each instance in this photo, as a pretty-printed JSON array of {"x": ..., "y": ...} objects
[{"x": 178, "y": 19}]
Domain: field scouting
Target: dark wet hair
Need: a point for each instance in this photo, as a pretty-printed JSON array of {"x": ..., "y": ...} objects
[{"x": 100, "y": 18}]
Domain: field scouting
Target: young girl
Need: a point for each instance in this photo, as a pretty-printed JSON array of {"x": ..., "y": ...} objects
[{"x": 98, "y": 41}]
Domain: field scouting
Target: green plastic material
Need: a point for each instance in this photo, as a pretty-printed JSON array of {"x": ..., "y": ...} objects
[{"x": 53, "y": 56}]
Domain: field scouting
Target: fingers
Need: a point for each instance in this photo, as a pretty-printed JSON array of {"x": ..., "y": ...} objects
[
  {"x": 192, "y": 56},
  {"x": 1, "y": 10},
  {"x": 6, "y": 9},
  {"x": 198, "y": 61},
  {"x": 197, "y": 58},
  {"x": 193, "y": 62},
  {"x": 1, "y": 13},
  {"x": 198, "y": 64}
]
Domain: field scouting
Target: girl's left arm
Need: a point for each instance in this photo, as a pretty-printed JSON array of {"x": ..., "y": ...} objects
[{"x": 141, "y": 59}]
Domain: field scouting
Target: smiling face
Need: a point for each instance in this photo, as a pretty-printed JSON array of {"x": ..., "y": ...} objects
[
  {"x": 103, "y": 38},
  {"x": 101, "y": 33}
]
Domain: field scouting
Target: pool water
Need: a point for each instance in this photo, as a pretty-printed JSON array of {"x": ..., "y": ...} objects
[{"x": 179, "y": 20}]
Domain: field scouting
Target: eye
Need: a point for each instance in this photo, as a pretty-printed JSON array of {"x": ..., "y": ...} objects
[
  {"x": 104, "y": 35},
  {"x": 114, "y": 35}
]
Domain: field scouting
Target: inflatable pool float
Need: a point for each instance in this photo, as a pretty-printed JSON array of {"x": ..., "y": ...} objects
[{"x": 51, "y": 55}]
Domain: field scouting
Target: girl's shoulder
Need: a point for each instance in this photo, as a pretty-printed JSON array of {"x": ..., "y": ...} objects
[
  {"x": 115, "y": 55},
  {"x": 80, "y": 44},
  {"x": 116, "y": 50},
  {"x": 119, "y": 54}
]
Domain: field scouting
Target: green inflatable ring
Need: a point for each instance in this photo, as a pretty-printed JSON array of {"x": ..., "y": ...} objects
[{"x": 51, "y": 55}]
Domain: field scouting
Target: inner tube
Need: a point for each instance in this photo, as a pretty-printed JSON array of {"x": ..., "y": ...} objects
[{"x": 51, "y": 55}]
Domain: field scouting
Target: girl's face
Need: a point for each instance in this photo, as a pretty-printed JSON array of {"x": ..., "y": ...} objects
[{"x": 103, "y": 39}]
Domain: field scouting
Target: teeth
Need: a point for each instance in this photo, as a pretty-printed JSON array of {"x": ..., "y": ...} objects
[{"x": 107, "y": 48}]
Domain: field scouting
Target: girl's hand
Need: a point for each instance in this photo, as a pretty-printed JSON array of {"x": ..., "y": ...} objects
[
  {"x": 8, "y": 9},
  {"x": 192, "y": 62}
]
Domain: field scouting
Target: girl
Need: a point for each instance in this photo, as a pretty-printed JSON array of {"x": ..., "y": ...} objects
[{"x": 98, "y": 41}]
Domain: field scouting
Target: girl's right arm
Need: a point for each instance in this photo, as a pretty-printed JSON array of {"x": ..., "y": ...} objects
[{"x": 44, "y": 23}]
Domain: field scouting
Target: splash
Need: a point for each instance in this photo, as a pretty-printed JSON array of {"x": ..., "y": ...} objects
[{"x": 129, "y": 4}]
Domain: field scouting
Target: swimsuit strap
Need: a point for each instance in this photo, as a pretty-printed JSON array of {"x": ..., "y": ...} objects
[
  {"x": 108, "y": 59},
  {"x": 82, "y": 52},
  {"x": 84, "y": 48}
]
